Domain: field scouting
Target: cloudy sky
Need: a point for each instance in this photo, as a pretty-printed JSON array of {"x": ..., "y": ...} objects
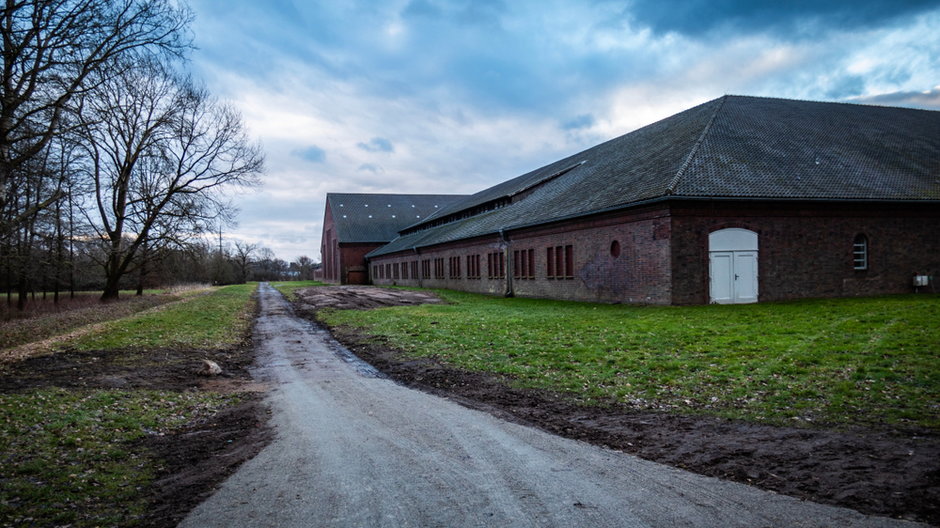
[{"x": 441, "y": 96}]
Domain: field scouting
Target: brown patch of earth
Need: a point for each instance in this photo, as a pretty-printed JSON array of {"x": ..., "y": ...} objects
[
  {"x": 191, "y": 461},
  {"x": 893, "y": 473},
  {"x": 358, "y": 298},
  {"x": 200, "y": 457}
]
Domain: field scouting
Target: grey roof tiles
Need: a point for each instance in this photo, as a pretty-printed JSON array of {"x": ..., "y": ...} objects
[
  {"x": 363, "y": 217},
  {"x": 731, "y": 147}
]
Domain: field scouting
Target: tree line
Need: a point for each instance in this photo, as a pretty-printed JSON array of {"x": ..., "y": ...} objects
[{"x": 114, "y": 163}]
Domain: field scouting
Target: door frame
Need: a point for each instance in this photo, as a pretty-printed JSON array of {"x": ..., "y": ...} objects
[{"x": 734, "y": 242}]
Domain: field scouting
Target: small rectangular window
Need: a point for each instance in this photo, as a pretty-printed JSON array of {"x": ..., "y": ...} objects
[
  {"x": 550, "y": 263},
  {"x": 496, "y": 265},
  {"x": 569, "y": 262},
  {"x": 473, "y": 266}
]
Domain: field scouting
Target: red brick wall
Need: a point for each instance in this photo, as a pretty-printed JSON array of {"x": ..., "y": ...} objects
[
  {"x": 805, "y": 250},
  {"x": 640, "y": 274},
  {"x": 352, "y": 262},
  {"x": 329, "y": 253}
]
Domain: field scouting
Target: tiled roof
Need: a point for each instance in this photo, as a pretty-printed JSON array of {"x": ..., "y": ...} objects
[
  {"x": 731, "y": 147},
  {"x": 360, "y": 217}
]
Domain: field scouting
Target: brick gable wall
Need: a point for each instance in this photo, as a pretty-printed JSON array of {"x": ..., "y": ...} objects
[{"x": 805, "y": 250}]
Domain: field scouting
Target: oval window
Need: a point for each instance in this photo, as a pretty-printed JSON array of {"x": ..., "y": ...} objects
[{"x": 615, "y": 249}]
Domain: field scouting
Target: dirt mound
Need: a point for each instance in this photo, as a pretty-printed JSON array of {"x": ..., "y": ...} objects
[
  {"x": 360, "y": 298},
  {"x": 166, "y": 369},
  {"x": 884, "y": 473}
]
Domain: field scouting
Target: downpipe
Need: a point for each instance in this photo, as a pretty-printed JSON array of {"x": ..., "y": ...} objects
[{"x": 505, "y": 245}]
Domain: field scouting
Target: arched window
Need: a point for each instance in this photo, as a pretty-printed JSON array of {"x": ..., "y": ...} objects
[{"x": 860, "y": 252}]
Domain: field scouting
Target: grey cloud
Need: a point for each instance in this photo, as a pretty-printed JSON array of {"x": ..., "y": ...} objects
[
  {"x": 793, "y": 18},
  {"x": 929, "y": 100},
  {"x": 377, "y": 144}
]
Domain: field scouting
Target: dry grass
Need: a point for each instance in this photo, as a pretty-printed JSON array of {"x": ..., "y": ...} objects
[{"x": 43, "y": 323}]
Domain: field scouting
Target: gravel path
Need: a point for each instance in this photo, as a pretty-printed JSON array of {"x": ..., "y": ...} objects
[{"x": 355, "y": 449}]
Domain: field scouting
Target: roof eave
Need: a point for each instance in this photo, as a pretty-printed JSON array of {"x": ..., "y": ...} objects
[{"x": 666, "y": 198}]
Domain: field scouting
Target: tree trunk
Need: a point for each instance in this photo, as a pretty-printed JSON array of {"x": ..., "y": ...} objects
[
  {"x": 113, "y": 274},
  {"x": 111, "y": 288},
  {"x": 22, "y": 293},
  {"x": 143, "y": 274}
]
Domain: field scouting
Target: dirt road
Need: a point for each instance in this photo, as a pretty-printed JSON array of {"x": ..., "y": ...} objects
[{"x": 355, "y": 449}]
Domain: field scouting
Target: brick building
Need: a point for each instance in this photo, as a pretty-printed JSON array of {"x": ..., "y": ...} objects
[
  {"x": 737, "y": 200},
  {"x": 355, "y": 224}
]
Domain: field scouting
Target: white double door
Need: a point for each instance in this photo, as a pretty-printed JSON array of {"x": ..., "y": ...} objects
[
  {"x": 733, "y": 276},
  {"x": 732, "y": 266}
]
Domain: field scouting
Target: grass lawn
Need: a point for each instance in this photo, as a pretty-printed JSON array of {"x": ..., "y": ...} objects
[
  {"x": 836, "y": 362},
  {"x": 74, "y": 456}
]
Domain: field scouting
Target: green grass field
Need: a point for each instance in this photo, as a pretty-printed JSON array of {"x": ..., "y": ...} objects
[
  {"x": 74, "y": 457},
  {"x": 837, "y": 362}
]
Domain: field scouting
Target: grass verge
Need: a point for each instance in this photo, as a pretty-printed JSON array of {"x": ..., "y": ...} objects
[
  {"x": 834, "y": 362},
  {"x": 85, "y": 310},
  {"x": 213, "y": 320},
  {"x": 76, "y": 457}
]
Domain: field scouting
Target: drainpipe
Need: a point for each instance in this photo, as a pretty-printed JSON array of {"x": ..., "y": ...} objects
[
  {"x": 504, "y": 243},
  {"x": 420, "y": 268}
]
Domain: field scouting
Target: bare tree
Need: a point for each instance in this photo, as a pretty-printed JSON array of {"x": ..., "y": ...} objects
[
  {"x": 54, "y": 50},
  {"x": 242, "y": 257},
  {"x": 163, "y": 153},
  {"x": 305, "y": 266}
]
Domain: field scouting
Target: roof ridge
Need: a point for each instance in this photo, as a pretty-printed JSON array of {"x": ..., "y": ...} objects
[{"x": 701, "y": 139}]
